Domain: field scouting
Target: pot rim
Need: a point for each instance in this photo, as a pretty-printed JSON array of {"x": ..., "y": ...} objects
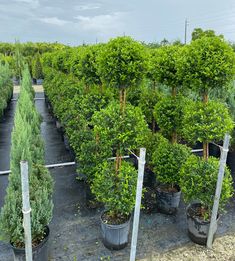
[
  {"x": 39, "y": 245},
  {"x": 113, "y": 226},
  {"x": 158, "y": 189},
  {"x": 203, "y": 222}
]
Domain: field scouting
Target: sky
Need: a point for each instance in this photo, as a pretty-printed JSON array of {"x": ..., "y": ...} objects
[{"x": 75, "y": 22}]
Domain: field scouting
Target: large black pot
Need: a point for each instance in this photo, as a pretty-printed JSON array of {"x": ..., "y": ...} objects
[
  {"x": 197, "y": 228},
  {"x": 167, "y": 202},
  {"x": 115, "y": 237},
  {"x": 40, "y": 252}
]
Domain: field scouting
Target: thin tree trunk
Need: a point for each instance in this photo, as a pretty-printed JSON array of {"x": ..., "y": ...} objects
[
  {"x": 205, "y": 150},
  {"x": 174, "y": 137},
  {"x": 173, "y": 92},
  {"x": 205, "y": 144},
  {"x": 205, "y": 97}
]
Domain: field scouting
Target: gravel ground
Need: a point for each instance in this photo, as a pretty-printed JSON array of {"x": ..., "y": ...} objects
[
  {"x": 37, "y": 88},
  {"x": 223, "y": 250}
]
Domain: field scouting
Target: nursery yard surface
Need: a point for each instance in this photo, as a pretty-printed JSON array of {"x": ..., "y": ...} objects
[{"x": 75, "y": 233}]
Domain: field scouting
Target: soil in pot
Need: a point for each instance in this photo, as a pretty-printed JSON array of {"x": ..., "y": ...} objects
[
  {"x": 115, "y": 232},
  {"x": 40, "y": 251},
  {"x": 168, "y": 199},
  {"x": 198, "y": 227}
]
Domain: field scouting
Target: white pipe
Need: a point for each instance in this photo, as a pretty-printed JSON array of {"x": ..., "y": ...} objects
[{"x": 6, "y": 172}]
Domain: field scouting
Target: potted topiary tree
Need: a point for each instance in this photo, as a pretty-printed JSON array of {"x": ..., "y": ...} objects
[
  {"x": 208, "y": 65},
  {"x": 37, "y": 69},
  {"x": 117, "y": 134},
  {"x": 167, "y": 160},
  {"x": 198, "y": 182}
]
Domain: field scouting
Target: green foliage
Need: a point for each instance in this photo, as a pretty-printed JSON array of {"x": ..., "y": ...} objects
[
  {"x": 88, "y": 67},
  {"x": 199, "y": 33},
  {"x": 18, "y": 60},
  {"x": 6, "y": 87},
  {"x": 168, "y": 114},
  {"x": 37, "y": 68},
  {"x": 122, "y": 62},
  {"x": 206, "y": 122},
  {"x": 198, "y": 182},
  {"x": 116, "y": 189},
  {"x": 26, "y": 145},
  {"x": 120, "y": 131},
  {"x": 148, "y": 99},
  {"x": 208, "y": 63},
  {"x": 163, "y": 64},
  {"x": 167, "y": 160}
]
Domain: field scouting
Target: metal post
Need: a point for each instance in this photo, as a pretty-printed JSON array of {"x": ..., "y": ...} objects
[
  {"x": 223, "y": 159},
  {"x": 26, "y": 209},
  {"x": 141, "y": 163}
]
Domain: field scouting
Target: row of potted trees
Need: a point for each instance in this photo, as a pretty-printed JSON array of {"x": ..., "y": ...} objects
[
  {"x": 27, "y": 145},
  {"x": 6, "y": 87},
  {"x": 121, "y": 87}
]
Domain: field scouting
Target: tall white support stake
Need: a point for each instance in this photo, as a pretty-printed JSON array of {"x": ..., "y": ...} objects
[
  {"x": 26, "y": 209},
  {"x": 219, "y": 184},
  {"x": 141, "y": 163}
]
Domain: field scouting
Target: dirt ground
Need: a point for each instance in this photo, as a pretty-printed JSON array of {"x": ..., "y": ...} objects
[{"x": 223, "y": 250}]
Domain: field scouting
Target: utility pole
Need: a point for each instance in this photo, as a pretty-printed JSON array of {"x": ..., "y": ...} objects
[{"x": 185, "y": 30}]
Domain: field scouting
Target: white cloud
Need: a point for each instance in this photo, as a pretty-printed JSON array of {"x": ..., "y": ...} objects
[
  {"x": 53, "y": 21},
  {"x": 87, "y": 7},
  {"x": 102, "y": 23}
]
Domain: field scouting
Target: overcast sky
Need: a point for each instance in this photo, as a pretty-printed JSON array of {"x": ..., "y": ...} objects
[{"x": 75, "y": 21}]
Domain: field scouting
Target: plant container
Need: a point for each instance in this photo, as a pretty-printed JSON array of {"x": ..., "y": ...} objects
[
  {"x": 197, "y": 228},
  {"x": 115, "y": 237},
  {"x": 39, "y": 81},
  {"x": 168, "y": 201},
  {"x": 40, "y": 252}
]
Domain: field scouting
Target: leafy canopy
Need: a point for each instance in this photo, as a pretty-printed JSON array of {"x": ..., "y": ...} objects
[
  {"x": 122, "y": 62},
  {"x": 206, "y": 122},
  {"x": 198, "y": 179}
]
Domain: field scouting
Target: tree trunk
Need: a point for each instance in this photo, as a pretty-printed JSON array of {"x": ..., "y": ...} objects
[
  {"x": 205, "y": 97},
  {"x": 205, "y": 144},
  {"x": 174, "y": 137},
  {"x": 173, "y": 92},
  {"x": 205, "y": 150}
]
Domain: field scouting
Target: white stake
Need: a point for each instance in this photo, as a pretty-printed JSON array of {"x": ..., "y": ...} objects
[
  {"x": 26, "y": 210},
  {"x": 141, "y": 163},
  {"x": 219, "y": 184}
]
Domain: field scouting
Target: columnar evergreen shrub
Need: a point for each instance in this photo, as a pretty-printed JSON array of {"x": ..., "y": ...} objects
[
  {"x": 6, "y": 87},
  {"x": 37, "y": 67},
  {"x": 27, "y": 145}
]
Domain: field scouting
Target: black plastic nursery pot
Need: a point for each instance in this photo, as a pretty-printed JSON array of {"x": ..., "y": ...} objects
[
  {"x": 197, "y": 228},
  {"x": 39, "y": 81},
  {"x": 115, "y": 237},
  {"x": 40, "y": 252},
  {"x": 167, "y": 201}
]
